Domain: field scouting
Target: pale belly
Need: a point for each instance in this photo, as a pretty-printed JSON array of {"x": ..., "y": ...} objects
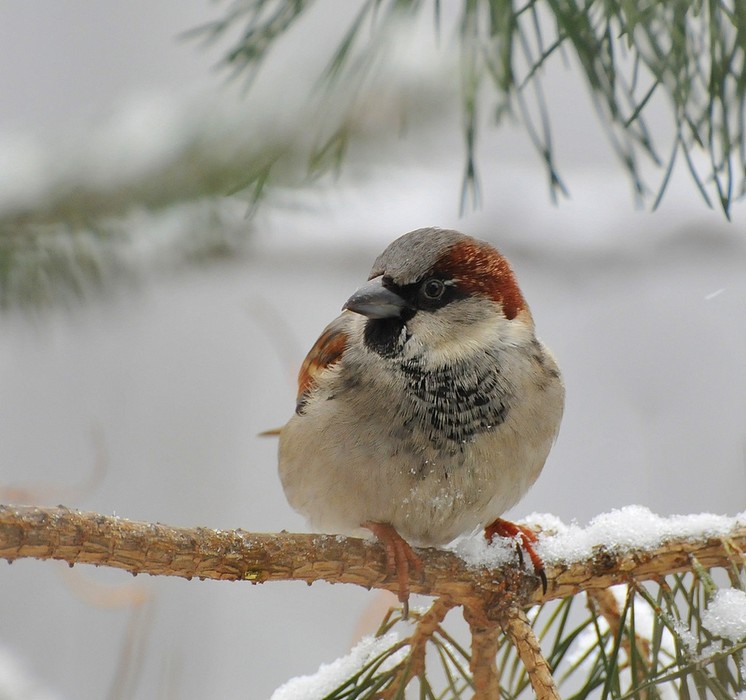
[{"x": 371, "y": 471}]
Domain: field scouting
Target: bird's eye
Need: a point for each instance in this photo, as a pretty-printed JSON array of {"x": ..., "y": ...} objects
[{"x": 433, "y": 289}]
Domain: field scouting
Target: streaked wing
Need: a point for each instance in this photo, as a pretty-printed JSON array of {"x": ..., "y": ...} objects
[{"x": 327, "y": 351}]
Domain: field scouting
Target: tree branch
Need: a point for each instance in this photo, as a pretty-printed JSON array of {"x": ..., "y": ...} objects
[
  {"x": 492, "y": 599},
  {"x": 160, "y": 550},
  {"x": 414, "y": 664},
  {"x": 485, "y": 637},
  {"x": 521, "y": 634}
]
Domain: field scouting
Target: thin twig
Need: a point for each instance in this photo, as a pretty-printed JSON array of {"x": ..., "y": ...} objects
[
  {"x": 414, "y": 664},
  {"x": 485, "y": 637},
  {"x": 607, "y": 606},
  {"x": 516, "y": 625}
]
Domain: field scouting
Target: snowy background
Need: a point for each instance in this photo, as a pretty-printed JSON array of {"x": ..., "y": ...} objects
[{"x": 165, "y": 385}]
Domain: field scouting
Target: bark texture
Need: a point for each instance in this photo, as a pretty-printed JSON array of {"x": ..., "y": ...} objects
[
  {"x": 493, "y": 599},
  {"x": 161, "y": 550}
]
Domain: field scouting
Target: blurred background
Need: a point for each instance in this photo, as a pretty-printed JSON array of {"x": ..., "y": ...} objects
[{"x": 143, "y": 351}]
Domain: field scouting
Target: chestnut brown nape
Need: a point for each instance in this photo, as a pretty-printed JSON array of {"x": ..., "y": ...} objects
[
  {"x": 480, "y": 269},
  {"x": 474, "y": 264}
]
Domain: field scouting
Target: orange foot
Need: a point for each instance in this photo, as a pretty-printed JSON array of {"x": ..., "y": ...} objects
[
  {"x": 526, "y": 538},
  {"x": 399, "y": 558}
]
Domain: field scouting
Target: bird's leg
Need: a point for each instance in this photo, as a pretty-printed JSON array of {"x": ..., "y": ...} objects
[
  {"x": 526, "y": 540},
  {"x": 400, "y": 558}
]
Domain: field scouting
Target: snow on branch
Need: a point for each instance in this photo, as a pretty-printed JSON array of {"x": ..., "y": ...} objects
[
  {"x": 161, "y": 550},
  {"x": 629, "y": 546}
]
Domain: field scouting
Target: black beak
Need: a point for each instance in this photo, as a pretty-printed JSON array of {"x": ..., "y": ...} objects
[{"x": 375, "y": 301}]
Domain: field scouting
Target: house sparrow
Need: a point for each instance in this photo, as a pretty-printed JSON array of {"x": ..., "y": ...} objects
[{"x": 428, "y": 407}]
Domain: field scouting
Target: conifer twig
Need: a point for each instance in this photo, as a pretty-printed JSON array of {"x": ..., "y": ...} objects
[
  {"x": 516, "y": 625},
  {"x": 90, "y": 538},
  {"x": 485, "y": 638},
  {"x": 414, "y": 664},
  {"x": 686, "y": 56},
  {"x": 493, "y": 600},
  {"x": 607, "y": 605}
]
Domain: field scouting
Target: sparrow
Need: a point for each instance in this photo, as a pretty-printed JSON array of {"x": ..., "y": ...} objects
[{"x": 427, "y": 408}]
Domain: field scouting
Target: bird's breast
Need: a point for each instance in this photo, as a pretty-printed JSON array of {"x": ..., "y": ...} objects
[{"x": 448, "y": 406}]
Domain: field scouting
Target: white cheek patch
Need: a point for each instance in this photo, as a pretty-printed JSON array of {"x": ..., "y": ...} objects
[{"x": 447, "y": 342}]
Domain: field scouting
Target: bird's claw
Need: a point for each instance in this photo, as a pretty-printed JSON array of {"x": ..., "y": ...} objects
[
  {"x": 400, "y": 558},
  {"x": 526, "y": 538}
]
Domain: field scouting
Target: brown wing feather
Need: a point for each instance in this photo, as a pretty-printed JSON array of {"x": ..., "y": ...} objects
[{"x": 327, "y": 351}]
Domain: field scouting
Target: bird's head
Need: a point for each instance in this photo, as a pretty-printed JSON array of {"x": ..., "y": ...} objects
[{"x": 442, "y": 294}]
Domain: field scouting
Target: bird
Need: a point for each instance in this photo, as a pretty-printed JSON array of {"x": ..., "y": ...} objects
[{"x": 427, "y": 408}]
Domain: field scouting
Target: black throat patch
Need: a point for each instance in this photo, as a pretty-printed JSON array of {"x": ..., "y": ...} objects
[{"x": 385, "y": 336}]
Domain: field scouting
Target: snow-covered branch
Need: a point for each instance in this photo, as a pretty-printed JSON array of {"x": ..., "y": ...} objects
[
  {"x": 628, "y": 546},
  {"x": 161, "y": 550}
]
